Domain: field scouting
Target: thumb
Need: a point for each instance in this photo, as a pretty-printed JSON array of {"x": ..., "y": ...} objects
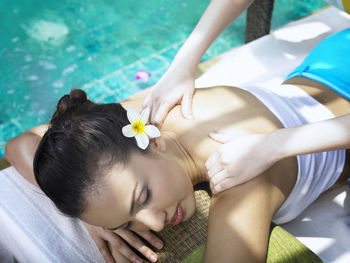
[
  {"x": 220, "y": 137},
  {"x": 186, "y": 105},
  {"x": 146, "y": 102}
]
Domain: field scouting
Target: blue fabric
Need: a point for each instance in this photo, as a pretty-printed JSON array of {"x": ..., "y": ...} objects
[{"x": 329, "y": 63}]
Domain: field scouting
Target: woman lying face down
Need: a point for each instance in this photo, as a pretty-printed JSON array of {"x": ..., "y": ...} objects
[{"x": 92, "y": 171}]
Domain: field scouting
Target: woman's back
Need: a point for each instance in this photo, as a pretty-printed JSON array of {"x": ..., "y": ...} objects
[{"x": 217, "y": 108}]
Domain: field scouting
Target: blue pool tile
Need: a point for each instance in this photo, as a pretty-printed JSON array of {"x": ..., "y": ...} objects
[
  {"x": 126, "y": 92},
  {"x": 110, "y": 99},
  {"x": 30, "y": 120},
  {"x": 94, "y": 46},
  {"x": 169, "y": 54},
  {"x": 114, "y": 65},
  {"x": 116, "y": 82},
  {"x": 216, "y": 49},
  {"x": 143, "y": 85},
  {"x": 157, "y": 75},
  {"x": 153, "y": 63},
  {"x": 130, "y": 72},
  {"x": 144, "y": 51},
  {"x": 107, "y": 99},
  {"x": 8, "y": 131},
  {"x": 96, "y": 91},
  {"x": 129, "y": 58}
]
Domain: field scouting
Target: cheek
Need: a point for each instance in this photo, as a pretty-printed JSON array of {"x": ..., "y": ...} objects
[{"x": 167, "y": 186}]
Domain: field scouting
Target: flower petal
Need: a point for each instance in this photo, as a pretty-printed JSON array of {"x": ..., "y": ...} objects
[
  {"x": 128, "y": 131},
  {"x": 145, "y": 115},
  {"x": 142, "y": 140},
  {"x": 133, "y": 115},
  {"x": 152, "y": 131}
]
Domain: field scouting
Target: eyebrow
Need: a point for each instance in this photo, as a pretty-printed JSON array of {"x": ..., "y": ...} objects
[{"x": 132, "y": 205}]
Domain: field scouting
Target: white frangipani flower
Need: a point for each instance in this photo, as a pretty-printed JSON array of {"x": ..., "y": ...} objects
[{"x": 138, "y": 128}]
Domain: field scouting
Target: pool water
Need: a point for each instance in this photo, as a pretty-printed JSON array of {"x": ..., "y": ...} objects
[{"x": 48, "y": 47}]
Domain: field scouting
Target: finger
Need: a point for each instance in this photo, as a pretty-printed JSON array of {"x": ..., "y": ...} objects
[
  {"x": 120, "y": 258},
  {"x": 151, "y": 238},
  {"x": 223, "y": 185},
  {"x": 136, "y": 242},
  {"x": 119, "y": 245},
  {"x": 186, "y": 105},
  {"x": 161, "y": 113},
  {"x": 216, "y": 168},
  {"x": 104, "y": 250},
  {"x": 220, "y": 137},
  {"x": 218, "y": 177},
  {"x": 146, "y": 102},
  {"x": 214, "y": 158}
]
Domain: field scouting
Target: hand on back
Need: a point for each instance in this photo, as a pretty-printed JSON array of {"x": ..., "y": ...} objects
[
  {"x": 175, "y": 87},
  {"x": 239, "y": 159}
]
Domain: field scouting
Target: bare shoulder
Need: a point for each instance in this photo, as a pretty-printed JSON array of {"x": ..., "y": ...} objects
[{"x": 136, "y": 100}]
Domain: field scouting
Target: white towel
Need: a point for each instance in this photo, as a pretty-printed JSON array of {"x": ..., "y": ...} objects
[{"x": 33, "y": 230}]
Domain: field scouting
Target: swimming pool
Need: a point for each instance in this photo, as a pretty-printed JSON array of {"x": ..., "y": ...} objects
[{"x": 48, "y": 47}]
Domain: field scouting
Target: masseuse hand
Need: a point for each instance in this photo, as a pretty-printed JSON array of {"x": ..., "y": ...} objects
[
  {"x": 239, "y": 159},
  {"x": 114, "y": 249},
  {"x": 176, "y": 86}
]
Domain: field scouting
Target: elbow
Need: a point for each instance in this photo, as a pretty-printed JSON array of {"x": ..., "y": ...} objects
[{"x": 9, "y": 149}]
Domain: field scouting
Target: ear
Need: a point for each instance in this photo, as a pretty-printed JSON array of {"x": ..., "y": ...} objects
[{"x": 158, "y": 144}]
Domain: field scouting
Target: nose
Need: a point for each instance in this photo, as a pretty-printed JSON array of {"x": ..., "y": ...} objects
[{"x": 151, "y": 219}]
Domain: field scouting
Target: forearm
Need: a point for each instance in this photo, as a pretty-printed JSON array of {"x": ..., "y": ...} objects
[
  {"x": 326, "y": 135},
  {"x": 20, "y": 151},
  {"x": 218, "y": 15}
]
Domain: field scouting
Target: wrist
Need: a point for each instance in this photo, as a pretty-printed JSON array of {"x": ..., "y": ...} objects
[
  {"x": 275, "y": 142},
  {"x": 186, "y": 63}
]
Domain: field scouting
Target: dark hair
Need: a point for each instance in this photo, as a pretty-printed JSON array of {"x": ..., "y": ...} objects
[{"x": 83, "y": 141}]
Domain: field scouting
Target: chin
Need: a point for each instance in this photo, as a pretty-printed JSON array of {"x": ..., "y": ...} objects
[{"x": 191, "y": 209}]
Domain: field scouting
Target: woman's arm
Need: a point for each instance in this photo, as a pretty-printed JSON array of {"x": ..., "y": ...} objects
[
  {"x": 239, "y": 222},
  {"x": 242, "y": 157},
  {"x": 333, "y": 134},
  {"x": 177, "y": 84},
  {"x": 20, "y": 151}
]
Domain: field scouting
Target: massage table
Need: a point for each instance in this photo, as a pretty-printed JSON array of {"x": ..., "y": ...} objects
[{"x": 32, "y": 230}]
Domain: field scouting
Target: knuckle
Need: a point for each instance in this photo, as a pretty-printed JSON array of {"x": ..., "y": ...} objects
[
  {"x": 217, "y": 188},
  {"x": 133, "y": 240},
  {"x": 116, "y": 242}
]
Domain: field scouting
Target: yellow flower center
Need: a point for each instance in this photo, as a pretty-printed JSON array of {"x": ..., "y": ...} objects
[{"x": 138, "y": 127}]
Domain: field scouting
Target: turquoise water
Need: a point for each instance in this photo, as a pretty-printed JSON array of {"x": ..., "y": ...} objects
[{"x": 48, "y": 47}]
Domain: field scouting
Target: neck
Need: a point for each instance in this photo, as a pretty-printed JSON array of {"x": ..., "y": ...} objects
[{"x": 193, "y": 169}]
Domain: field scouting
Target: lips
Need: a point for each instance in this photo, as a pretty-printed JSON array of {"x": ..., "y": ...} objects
[{"x": 178, "y": 216}]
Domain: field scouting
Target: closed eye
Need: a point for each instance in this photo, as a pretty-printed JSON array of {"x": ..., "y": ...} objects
[
  {"x": 145, "y": 196},
  {"x": 144, "y": 199}
]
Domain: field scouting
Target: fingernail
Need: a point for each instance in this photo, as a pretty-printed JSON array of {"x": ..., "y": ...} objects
[
  {"x": 159, "y": 245},
  {"x": 138, "y": 261},
  {"x": 154, "y": 257}
]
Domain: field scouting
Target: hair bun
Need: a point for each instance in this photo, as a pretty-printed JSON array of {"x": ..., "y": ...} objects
[
  {"x": 75, "y": 99},
  {"x": 78, "y": 94}
]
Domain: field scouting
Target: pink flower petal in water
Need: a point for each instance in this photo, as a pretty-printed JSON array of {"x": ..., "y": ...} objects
[{"x": 142, "y": 75}]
